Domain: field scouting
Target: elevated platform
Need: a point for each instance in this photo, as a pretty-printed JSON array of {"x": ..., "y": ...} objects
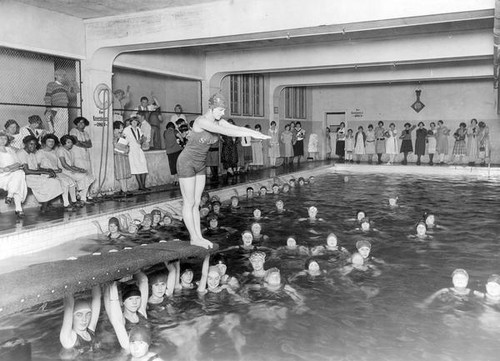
[{"x": 50, "y": 281}]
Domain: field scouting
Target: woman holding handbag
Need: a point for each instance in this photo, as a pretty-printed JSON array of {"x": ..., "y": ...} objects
[{"x": 136, "y": 157}]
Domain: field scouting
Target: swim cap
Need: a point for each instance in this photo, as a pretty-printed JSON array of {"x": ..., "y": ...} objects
[
  {"x": 257, "y": 256},
  {"x": 156, "y": 211},
  {"x": 363, "y": 243},
  {"x": 494, "y": 278},
  {"x": 130, "y": 291},
  {"x": 140, "y": 333},
  {"x": 460, "y": 271},
  {"x": 217, "y": 101},
  {"x": 148, "y": 216},
  {"x": 137, "y": 222},
  {"x": 81, "y": 305}
]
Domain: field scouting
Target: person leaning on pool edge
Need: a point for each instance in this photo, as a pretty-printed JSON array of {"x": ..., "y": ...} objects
[{"x": 191, "y": 163}]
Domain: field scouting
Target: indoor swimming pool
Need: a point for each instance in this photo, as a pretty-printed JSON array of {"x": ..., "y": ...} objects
[{"x": 356, "y": 316}]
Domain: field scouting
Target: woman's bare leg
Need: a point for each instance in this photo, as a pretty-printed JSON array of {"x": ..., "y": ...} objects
[{"x": 191, "y": 196}]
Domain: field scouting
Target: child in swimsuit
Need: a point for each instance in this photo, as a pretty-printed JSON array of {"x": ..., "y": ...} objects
[{"x": 77, "y": 334}]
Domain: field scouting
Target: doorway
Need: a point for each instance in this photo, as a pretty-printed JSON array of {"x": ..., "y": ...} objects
[{"x": 332, "y": 121}]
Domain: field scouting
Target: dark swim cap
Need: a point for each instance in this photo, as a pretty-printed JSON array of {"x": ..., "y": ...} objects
[{"x": 130, "y": 291}]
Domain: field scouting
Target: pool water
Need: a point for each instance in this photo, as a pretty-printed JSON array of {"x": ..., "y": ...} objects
[{"x": 353, "y": 317}]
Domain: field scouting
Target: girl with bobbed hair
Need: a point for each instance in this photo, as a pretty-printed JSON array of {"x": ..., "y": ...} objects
[
  {"x": 79, "y": 175},
  {"x": 48, "y": 159}
]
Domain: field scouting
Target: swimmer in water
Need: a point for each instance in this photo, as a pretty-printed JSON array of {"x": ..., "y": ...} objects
[
  {"x": 256, "y": 229},
  {"x": 210, "y": 281},
  {"x": 257, "y": 215},
  {"x": 459, "y": 291},
  {"x": 186, "y": 279},
  {"x": 275, "y": 189},
  {"x": 492, "y": 294},
  {"x": 421, "y": 230},
  {"x": 311, "y": 268},
  {"x": 250, "y": 192},
  {"x": 156, "y": 214},
  {"x": 139, "y": 341},
  {"x": 359, "y": 263},
  {"x": 301, "y": 181},
  {"x": 162, "y": 286},
  {"x": 263, "y": 191},
  {"x": 331, "y": 247},
  {"x": 292, "y": 182},
  {"x": 312, "y": 213},
  {"x": 286, "y": 188},
  {"x": 393, "y": 202},
  {"x": 292, "y": 247},
  {"x": 257, "y": 260},
  {"x": 80, "y": 319},
  {"x": 272, "y": 282},
  {"x": 220, "y": 261},
  {"x": 235, "y": 203},
  {"x": 247, "y": 243},
  {"x": 134, "y": 299},
  {"x": 311, "y": 180},
  {"x": 364, "y": 248},
  {"x": 214, "y": 229}
]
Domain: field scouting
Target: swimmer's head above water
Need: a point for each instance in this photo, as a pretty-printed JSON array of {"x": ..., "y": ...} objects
[
  {"x": 429, "y": 219},
  {"x": 158, "y": 282},
  {"x": 365, "y": 224},
  {"x": 213, "y": 278},
  {"x": 114, "y": 225},
  {"x": 131, "y": 297},
  {"x": 273, "y": 277},
  {"x": 312, "y": 212},
  {"x": 235, "y": 201},
  {"x": 312, "y": 266},
  {"x": 364, "y": 248},
  {"x": 331, "y": 240},
  {"x": 421, "y": 229},
  {"x": 360, "y": 215},
  {"x": 280, "y": 205},
  {"x": 247, "y": 238},
  {"x": 256, "y": 228},
  {"x": 493, "y": 286},
  {"x": 139, "y": 341},
  {"x": 460, "y": 278},
  {"x": 257, "y": 260},
  {"x": 82, "y": 314},
  {"x": 291, "y": 243}
]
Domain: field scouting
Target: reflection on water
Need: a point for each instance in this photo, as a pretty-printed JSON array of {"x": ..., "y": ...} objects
[{"x": 358, "y": 317}]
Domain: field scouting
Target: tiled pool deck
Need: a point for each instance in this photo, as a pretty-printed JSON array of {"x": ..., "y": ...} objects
[{"x": 21, "y": 242}]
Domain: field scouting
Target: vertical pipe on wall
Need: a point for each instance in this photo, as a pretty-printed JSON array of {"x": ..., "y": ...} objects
[{"x": 496, "y": 51}]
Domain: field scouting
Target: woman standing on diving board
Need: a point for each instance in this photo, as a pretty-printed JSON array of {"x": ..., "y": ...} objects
[{"x": 191, "y": 163}]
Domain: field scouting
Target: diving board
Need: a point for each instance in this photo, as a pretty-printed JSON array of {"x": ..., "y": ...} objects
[{"x": 51, "y": 281}]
